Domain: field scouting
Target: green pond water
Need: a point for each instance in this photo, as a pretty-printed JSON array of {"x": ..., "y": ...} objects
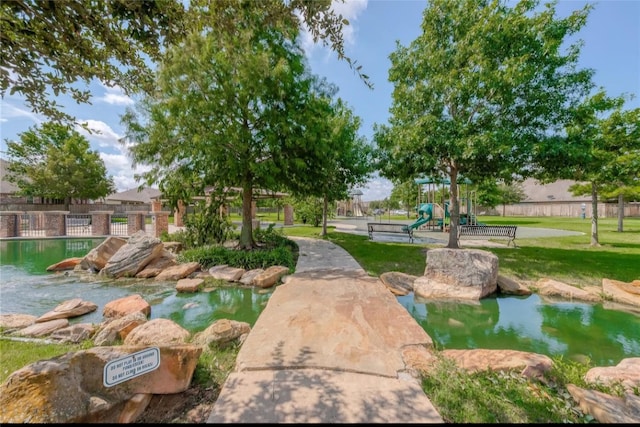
[{"x": 580, "y": 331}]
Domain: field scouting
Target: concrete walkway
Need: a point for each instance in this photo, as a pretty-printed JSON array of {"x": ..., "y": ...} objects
[{"x": 330, "y": 347}]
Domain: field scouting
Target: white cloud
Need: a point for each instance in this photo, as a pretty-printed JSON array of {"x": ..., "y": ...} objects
[
  {"x": 349, "y": 10},
  {"x": 115, "y": 96},
  {"x": 100, "y": 132},
  {"x": 8, "y": 111},
  {"x": 119, "y": 167},
  {"x": 377, "y": 189}
]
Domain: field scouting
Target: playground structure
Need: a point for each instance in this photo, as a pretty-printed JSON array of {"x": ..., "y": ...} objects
[
  {"x": 353, "y": 206},
  {"x": 433, "y": 215}
]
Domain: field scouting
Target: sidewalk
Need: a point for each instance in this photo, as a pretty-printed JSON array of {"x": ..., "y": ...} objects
[{"x": 328, "y": 348}]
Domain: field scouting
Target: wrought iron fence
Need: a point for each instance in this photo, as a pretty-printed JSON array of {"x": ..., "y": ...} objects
[
  {"x": 32, "y": 224},
  {"x": 78, "y": 224},
  {"x": 119, "y": 225}
]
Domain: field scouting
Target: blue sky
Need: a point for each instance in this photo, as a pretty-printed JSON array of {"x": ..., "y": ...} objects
[{"x": 611, "y": 47}]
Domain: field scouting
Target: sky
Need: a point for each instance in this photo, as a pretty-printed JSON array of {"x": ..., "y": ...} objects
[{"x": 611, "y": 48}]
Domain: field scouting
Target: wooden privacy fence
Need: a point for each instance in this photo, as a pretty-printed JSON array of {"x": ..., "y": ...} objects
[{"x": 97, "y": 223}]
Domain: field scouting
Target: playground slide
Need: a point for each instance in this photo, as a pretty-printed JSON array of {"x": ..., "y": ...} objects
[{"x": 425, "y": 209}]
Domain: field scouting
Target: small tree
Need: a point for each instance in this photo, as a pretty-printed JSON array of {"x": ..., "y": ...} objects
[
  {"x": 601, "y": 147},
  {"x": 56, "y": 162},
  {"x": 309, "y": 210},
  {"x": 510, "y": 194},
  {"x": 405, "y": 194}
]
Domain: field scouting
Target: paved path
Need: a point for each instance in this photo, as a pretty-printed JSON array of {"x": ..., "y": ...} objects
[{"x": 329, "y": 347}]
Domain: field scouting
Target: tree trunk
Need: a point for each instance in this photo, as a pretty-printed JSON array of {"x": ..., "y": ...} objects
[
  {"x": 620, "y": 212},
  {"x": 246, "y": 232},
  {"x": 325, "y": 208},
  {"x": 594, "y": 215},
  {"x": 67, "y": 203},
  {"x": 454, "y": 211},
  {"x": 503, "y": 209}
]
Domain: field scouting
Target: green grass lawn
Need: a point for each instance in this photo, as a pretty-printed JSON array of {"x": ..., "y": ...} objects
[
  {"x": 460, "y": 397},
  {"x": 569, "y": 259}
]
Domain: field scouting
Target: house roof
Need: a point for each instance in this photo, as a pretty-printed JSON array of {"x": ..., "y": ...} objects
[
  {"x": 6, "y": 187},
  {"x": 557, "y": 191},
  {"x": 144, "y": 195}
]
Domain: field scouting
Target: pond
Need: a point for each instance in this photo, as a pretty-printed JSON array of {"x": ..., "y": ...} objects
[
  {"x": 26, "y": 287},
  {"x": 573, "y": 330}
]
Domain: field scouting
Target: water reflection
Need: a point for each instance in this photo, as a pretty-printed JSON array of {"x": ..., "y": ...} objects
[
  {"x": 571, "y": 329},
  {"x": 26, "y": 287},
  {"x": 575, "y": 330}
]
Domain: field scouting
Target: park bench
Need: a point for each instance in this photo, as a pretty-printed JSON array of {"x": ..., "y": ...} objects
[
  {"x": 373, "y": 227},
  {"x": 508, "y": 231}
]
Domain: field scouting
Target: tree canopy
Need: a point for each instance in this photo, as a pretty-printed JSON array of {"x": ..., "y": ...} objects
[
  {"x": 55, "y": 162},
  {"x": 343, "y": 159},
  {"x": 235, "y": 106},
  {"x": 600, "y": 148},
  {"x": 49, "y": 46},
  {"x": 477, "y": 90},
  {"x": 59, "y": 47}
]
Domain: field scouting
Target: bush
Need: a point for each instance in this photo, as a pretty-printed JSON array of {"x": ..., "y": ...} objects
[{"x": 276, "y": 249}]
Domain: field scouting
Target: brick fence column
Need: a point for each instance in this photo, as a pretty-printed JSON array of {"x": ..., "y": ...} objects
[
  {"x": 55, "y": 224},
  {"x": 160, "y": 223},
  {"x": 156, "y": 205},
  {"x": 178, "y": 215},
  {"x": 254, "y": 209},
  {"x": 288, "y": 215},
  {"x": 9, "y": 223},
  {"x": 135, "y": 222},
  {"x": 101, "y": 223}
]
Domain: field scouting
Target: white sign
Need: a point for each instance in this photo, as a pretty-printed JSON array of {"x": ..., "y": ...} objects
[{"x": 131, "y": 366}]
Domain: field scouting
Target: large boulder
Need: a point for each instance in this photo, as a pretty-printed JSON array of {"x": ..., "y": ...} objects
[
  {"x": 65, "y": 264},
  {"x": 158, "y": 332},
  {"x": 398, "y": 283},
  {"x": 622, "y": 292},
  {"x": 466, "y": 274},
  {"x": 98, "y": 257},
  {"x": 221, "y": 332},
  {"x": 132, "y": 257},
  {"x": 178, "y": 271},
  {"x": 70, "y": 388},
  {"x": 270, "y": 276},
  {"x": 157, "y": 265},
  {"x": 116, "y": 329},
  {"x": 554, "y": 289},
  {"x": 71, "y": 308},
  {"x": 126, "y": 305}
]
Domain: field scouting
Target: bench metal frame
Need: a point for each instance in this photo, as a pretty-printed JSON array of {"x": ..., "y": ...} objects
[
  {"x": 508, "y": 231},
  {"x": 373, "y": 227}
]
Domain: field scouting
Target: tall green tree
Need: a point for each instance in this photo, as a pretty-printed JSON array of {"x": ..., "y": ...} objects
[
  {"x": 232, "y": 108},
  {"x": 601, "y": 147},
  {"x": 55, "y": 162},
  {"x": 475, "y": 92},
  {"x": 54, "y": 47},
  {"x": 344, "y": 158}
]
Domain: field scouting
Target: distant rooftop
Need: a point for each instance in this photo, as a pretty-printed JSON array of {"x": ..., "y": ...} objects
[{"x": 135, "y": 195}]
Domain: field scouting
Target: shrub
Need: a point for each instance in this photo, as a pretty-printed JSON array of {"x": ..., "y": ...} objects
[{"x": 275, "y": 249}]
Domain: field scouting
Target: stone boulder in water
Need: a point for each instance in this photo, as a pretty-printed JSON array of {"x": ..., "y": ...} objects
[{"x": 133, "y": 256}]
